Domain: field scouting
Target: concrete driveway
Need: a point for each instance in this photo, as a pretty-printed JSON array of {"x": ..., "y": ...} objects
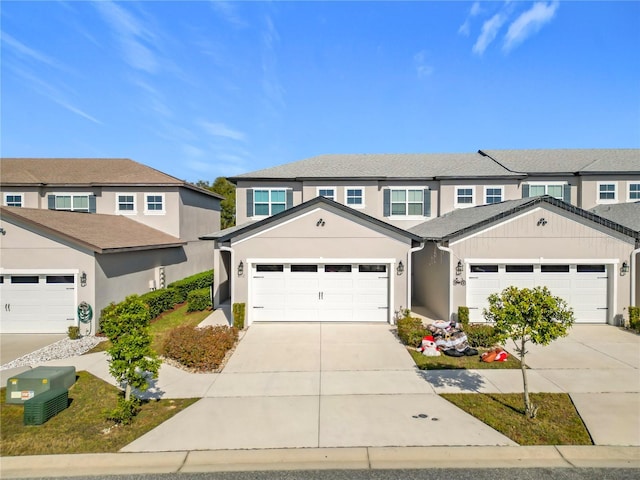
[
  {"x": 15, "y": 345},
  {"x": 318, "y": 385}
]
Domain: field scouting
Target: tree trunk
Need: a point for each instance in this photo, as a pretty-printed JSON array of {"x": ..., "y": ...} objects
[
  {"x": 127, "y": 392},
  {"x": 529, "y": 409}
]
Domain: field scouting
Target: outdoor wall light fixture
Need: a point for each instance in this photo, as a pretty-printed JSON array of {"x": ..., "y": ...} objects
[
  {"x": 3, "y": 231},
  {"x": 240, "y": 268},
  {"x": 459, "y": 268},
  {"x": 624, "y": 269},
  {"x": 83, "y": 279},
  {"x": 400, "y": 268},
  {"x": 320, "y": 223},
  {"x": 542, "y": 222}
]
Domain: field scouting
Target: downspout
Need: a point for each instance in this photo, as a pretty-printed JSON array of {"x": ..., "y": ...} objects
[
  {"x": 632, "y": 260},
  {"x": 232, "y": 283},
  {"x": 451, "y": 255},
  {"x": 410, "y": 271}
]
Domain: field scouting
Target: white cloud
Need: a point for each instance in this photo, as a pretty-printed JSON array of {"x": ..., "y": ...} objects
[
  {"x": 466, "y": 26},
  {"x": 221, "y": 130},
  {"x": 228, "y": 12},
  {"x": 192, "y": 151},
  {"x": 22, "y": 50},
  {"x": 529, "y": 23},
  {"x": 423, "y": 68},
  {"x": 274, "y": 92},
  {"x": 489, "y": 32}
]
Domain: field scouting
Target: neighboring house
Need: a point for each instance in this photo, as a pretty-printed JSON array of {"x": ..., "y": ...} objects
[
  {"x": 94, "y": 231},
  {"x": 362, "y": 237}
]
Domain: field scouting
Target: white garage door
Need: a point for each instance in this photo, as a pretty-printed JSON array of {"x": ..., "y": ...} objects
[
  {"x": 319, "y": 292},
  {"x": 32, "y": 303},
  {"x": 584, "y": 287}
]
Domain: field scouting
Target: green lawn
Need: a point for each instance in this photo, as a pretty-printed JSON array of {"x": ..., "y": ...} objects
[
  {"x": 443, "y": 362},
  {"x": 82, "y": 427}
]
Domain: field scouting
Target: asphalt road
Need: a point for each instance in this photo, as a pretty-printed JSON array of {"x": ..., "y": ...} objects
[{"x": 434, "y": 474}]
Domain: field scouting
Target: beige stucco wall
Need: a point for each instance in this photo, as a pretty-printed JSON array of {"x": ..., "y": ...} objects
[
  {"x": 432, "y": 285},
  {"x": 590, "y": 191},
  {"x": 342, "y": 237},
  {"x": 199, "y": 215}
]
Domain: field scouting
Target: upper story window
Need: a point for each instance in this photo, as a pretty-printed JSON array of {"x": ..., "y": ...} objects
[
  {"x": 262, "y": 202},
  {"x": 559, "y": 190},
  {"x": 327, "y": 192},
  {"x": 402, "y": 202},
  {"x": 154, "y": 203},
  {"x": 72, "y": 202},
  {"x": 634, "y": 191},
  {"x": 493, "y": 195},
  {"x": 13, "y": 199},
  {"x": 126, "y": 203},
  {"x": 464, "y": 197},
  {"x": 607, "y": 192},
  {"x": 354, "y": 197}
]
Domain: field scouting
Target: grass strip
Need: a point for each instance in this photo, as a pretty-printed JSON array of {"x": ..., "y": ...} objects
[{"x": 444, "y": 362}]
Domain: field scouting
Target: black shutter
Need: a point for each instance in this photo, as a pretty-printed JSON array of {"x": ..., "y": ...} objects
[
  {"x": 249, "y": 202},
  {"x": 92, "y": 204},
  {"x": 386, "y": 206},
  {"x": 427, "y": 202},
  {"x": 52, "y": 202},
  {"x": 566, "y": 193},
  {"x": 525, "y": 190},
  {"x": 289, "y": 198}
]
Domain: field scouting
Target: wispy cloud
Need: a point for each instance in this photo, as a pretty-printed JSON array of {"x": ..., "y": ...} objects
[
  {"x": 21, "y": 50},
  {"x": 465, "y": 28},
  {"x": 229, "y": 13},
  {"x": 529, "y": 23},
  {"x": 271, "y": 85},
  {"x": 132, "y": 35},
  {"x": 489, "y": 32},
  {"x": 221, "y": 130},
  {"x": 423, "y": 68}
]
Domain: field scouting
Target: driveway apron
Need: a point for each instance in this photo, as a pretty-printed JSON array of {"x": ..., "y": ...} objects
[{"x": 318, "y": 385}]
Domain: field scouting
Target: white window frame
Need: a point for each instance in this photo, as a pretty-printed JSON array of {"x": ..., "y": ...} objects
[
  {"x": 135, "y": 204},
  {"x": 154, "y": 212},
  {"x": 406, "y": 202},
  {"x": 629, "y": 199},
  {"x": 346, "y": 198},
  {"x": 335, "y": 193},
  {"x": 546, "y": 186},
  {"x": 493, "y": 187},
  {"x": 71, "y": 196},
  {"x": 457, "y": 204},
  {"x": 269, "y": 202},
  {"x": 14, "y": 194},
  {"x": 599, "y": 192}
]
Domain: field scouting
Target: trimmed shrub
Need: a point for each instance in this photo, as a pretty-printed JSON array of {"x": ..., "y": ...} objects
[
  {"x": 194, "y": 282},
  {"x": 199, "y": 300},
  {"x": 74, "y": 333},
  {"x": 411, "y": 330},
  {"x": 463, "y": 316},
  {"x": 159, "y": 301},
  {"x": 634, "y": 318},
  {"x": 238, "y": 315},
  {"x": 200, "y": 349},
  {"x": 480, "y": 335}
]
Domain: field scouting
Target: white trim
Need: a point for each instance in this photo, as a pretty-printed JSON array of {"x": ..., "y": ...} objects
[
  {"x": 14, "y": 194},
  {"x": 72, "y": 196},
  {"x": 456, "y": 204},
  {"x": 498, "y": 187},
  {"x": 391, "y": 188},
  {"x": 135, "y": 203},
  {"x": 268, "y": 189},
  {"x": 32, "y": 271},
  {"x": 360, "y": 206},
  {"x": 546, "y": 190},
  {"x": 607, "y": 200},
  {"x": 335, "y": 192},
  {"x": 541, "y": 260},
  {"x": 629, "y": 183},
  {"x": 146, "y": 204}
]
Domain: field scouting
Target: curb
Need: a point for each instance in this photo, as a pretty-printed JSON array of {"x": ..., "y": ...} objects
[{"x": 361, "y": 458}]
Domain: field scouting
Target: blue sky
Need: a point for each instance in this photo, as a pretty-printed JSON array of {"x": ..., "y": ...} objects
[{"x": 206, "y": 89}]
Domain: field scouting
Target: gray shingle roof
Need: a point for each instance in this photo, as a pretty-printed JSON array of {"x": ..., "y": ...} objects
[
  {"x": 583, "y": 161},
  {"x": 100, "y": 233},
  {"x": 86, "y": 172},
  {"x": 409, "y": 165},
  {"x": 627, "y": 214}
]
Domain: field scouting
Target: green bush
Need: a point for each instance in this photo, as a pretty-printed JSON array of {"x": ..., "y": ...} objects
[
  {"x": 125, "y": 411},
  {"x": 159, "y": 301},
  {"x": 411, "y": 330},
  {"x": 238, "y": 315},
  {"x": 200, "y": 349},
  {"x": 199, "y": 300},
  {"x": 480, "y": 335},
  {"x": 634, "y": 318},
  {"x": 194, "y": 282},
  {"x": 74, "y": 332},
  {"x": 463, "y": 316}
]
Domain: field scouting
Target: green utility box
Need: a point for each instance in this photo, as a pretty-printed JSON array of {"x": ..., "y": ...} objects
[
  {"x": 43, "y": 406},
  {"x": 41, "y": 379}
]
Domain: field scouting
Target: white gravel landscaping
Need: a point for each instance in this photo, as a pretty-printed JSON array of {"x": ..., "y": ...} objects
[{"x": 64, "y": 348}]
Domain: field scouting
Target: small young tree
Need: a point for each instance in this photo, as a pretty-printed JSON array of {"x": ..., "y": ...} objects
[
  {"x": 528, "y": 315},
  {"x": 132, "y": 361}
]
